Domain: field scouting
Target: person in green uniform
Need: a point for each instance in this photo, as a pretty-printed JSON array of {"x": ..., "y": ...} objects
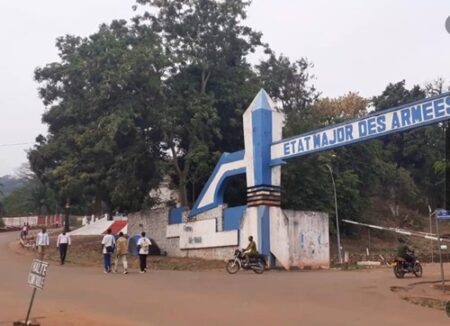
[
  {"x": 251, "y": 250},
  {"x": 404, "y": 251}
]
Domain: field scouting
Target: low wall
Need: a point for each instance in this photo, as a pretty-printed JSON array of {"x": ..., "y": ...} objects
[
  {"x": 41, "y": 220},
  {"x": 298, "y": 239},
  {"x": 176, "y": 240}
]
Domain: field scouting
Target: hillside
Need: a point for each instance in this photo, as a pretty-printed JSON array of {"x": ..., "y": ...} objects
[{"x": 9, "y": 183}]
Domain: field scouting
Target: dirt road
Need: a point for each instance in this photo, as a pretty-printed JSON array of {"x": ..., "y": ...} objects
[{"x": 86, "y": 296}]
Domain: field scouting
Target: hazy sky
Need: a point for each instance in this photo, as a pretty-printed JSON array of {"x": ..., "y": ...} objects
[{"x": 355, "y": 45}]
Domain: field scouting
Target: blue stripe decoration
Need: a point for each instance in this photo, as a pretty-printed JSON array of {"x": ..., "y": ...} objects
[
  {"x": 176, "y": 215},
  {"x": 232, "y": 217},
  {"x": 262, "y": 141},
  {"x": 221, "y": 185},
  {"x": 264, "y": 230},
  {"x": 443, "y": 214}
]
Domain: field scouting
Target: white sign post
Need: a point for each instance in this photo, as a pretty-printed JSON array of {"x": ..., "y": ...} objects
[
  {"x": 441, "y": 215},
  {"x": 36, "y": 279}
]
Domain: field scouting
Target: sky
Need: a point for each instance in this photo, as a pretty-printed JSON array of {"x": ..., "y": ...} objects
[{"x": 355, "y": 45}]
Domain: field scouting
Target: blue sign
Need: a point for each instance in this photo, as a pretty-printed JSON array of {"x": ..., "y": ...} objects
[
  {"x": 442, "y": 214},
  {"x": 418, "y": 114}
]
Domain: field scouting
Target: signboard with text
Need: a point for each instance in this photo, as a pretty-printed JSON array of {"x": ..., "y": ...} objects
[
  {"x": 442, "y": 214},
  {"x": 36, "y": 278},
  {"x": 418, "y": 114}
]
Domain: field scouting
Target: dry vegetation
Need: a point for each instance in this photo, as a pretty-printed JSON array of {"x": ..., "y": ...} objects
[{"x": 86, "y": 251}]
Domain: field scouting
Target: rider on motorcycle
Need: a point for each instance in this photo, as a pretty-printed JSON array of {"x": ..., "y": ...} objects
[
  {"x": 250, "y": 251},
  {"x": 403, "y": 251}
]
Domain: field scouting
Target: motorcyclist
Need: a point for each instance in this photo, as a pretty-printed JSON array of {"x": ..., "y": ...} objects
[
  {"x": 405, "y": 252},
  {"x": 250, "y": 251}
]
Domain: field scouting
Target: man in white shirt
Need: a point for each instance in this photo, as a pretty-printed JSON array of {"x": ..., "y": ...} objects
[
  {"x": 108, "y": 244},
  {"x": 143, "y": 244},
  {"x": 63, "y": 243},
  {"x": 42, "y": 242}
]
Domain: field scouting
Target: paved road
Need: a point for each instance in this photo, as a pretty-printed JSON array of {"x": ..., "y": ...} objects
[{"x": 86, "y": 296}]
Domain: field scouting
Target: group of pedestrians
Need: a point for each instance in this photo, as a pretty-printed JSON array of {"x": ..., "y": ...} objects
[
  {"x": 110, "y": 246},
  {"x": 62, "y": 244},
  {"x": 119, "y": 247}
]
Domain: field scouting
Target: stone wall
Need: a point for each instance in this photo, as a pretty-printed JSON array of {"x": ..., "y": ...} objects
[{"x": 154, "y": 222}]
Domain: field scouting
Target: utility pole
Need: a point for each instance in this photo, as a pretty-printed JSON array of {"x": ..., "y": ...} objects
[
  {"x": 66, "y": 217},
  {"x": 336, "y": 213}
]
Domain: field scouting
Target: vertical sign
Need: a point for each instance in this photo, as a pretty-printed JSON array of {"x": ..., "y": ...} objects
[{"x": 36, "y": 278}]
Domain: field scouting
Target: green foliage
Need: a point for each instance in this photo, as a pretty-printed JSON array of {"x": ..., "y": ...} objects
[
  {"x": 10, "y": 183},
  {"x": 102, "y": 97},
  {"x": 32, "y": 198},
  {"x": 413, "y": 154},
  {"x": 287, "y": 82},
  {"x": 209, "y": 82}
]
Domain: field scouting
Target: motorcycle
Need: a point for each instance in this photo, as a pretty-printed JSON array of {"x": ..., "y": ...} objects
[
  {"x": 403, "y": 267},
  {"x": 256, "y": 264}
]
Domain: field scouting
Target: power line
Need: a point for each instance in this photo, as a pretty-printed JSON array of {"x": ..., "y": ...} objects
[{"x": 14, "y": 144}]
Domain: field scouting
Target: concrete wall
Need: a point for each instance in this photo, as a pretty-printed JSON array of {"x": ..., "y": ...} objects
[
  {"x": 297, "y": 239},
  {"x": 154, "y": 222},
  {"x": 182, "y": 240},
  {"x": 308, "y": 239}
]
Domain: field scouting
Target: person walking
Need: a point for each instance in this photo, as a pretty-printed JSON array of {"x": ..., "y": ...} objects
[
  {"x": 24, "y": 232},
  {"x": 42, "y": 243},
  {"x": 62, "y": 244},
  {"x": 108, "y": 243},
  {"x": 144, "y": 249},
  {"x": 121, "y": 253}
]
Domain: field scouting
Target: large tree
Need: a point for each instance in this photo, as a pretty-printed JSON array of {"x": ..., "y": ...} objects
[
  {"x": 209, "y": 82},
  {"x": 102, "y": 99}
]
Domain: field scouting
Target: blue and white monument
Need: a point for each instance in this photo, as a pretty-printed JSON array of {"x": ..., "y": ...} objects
[{"x": 292, "y": 238}]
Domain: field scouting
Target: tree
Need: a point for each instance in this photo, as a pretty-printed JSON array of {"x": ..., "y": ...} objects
[
  {"x": 33, "y": 197},
  {"x": 103, "y": 100},
  {"x": 1, "y": 204},
  {"x": 414, "y": 151},
  {"x": 208, "y": 83},
  {"x": 287, "y": 82},
  {"x": 307, "y": 181}
]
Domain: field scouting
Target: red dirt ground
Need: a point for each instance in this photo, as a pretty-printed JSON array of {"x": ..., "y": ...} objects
[{"x": 85, "y": 296}]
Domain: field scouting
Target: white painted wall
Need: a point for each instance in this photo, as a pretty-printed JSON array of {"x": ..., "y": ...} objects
[
  {"x": 95, "y": 228},
  {"x": 174, "y": 230},
  {"x": 202, "y": 234},
  {"x": 279, "y": 237},
  {"x": 20, "y": 221},
  {"x": 249, "y": 226},
  {"x": 308, "y": 238}
]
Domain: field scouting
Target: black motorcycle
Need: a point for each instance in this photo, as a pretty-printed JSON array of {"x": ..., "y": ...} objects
[
  {"x": 256, "y": 264},
  {"x": 403, "y": 267}
]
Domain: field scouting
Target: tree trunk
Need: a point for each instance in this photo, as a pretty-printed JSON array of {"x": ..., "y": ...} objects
[
  {"x": 97, "y": 205},
  {"x": 182, "y": 177},
  {"x": 204, "y": 82},
  {"x": 66, "y": 216}
]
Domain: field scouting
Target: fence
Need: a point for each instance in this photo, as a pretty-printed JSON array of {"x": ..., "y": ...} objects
[{"x": 42, "y": 220}]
